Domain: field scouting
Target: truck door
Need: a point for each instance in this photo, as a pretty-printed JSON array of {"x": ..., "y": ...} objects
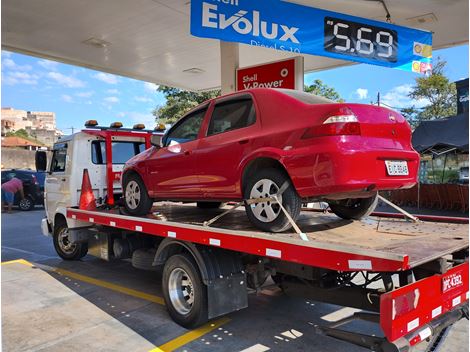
[{"x": 56, "y": 188}]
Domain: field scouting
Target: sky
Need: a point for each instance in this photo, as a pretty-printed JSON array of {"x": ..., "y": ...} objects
[{"x": 78, "y": 94}]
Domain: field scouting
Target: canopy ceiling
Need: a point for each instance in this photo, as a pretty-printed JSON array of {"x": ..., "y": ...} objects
[{"x": 150, "y": 40}]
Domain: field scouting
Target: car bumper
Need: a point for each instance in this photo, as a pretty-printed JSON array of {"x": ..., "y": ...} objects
[
  {"x": 339, "y": 170},
  {"x": 46, "y": 228}
]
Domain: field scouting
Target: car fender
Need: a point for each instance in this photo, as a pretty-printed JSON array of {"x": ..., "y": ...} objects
[
  {"x": 71, "y": 223},
  {"x": 268, "y": 152}
]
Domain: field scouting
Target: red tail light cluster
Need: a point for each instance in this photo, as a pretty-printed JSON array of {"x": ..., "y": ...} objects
[{"x": 341, "y": 122}]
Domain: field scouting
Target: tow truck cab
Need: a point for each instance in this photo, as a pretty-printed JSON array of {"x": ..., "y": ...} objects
[{"x": 88, "y": 149}]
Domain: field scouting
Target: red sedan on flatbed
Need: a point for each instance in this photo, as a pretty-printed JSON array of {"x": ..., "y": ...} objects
[{"x": 249, "y": 144}]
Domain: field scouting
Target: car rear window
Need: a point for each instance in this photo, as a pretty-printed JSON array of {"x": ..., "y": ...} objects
[
  {"x": 306, "y": 98},
  {"x": 232, "y": 115}
]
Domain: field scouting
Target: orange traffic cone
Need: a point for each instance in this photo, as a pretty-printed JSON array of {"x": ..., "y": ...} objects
[{"x": 87, "y": 198}]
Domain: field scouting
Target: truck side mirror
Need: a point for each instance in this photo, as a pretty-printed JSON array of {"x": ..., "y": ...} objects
[
  {"x": 156, "y": 140},
  {"x": 41, "y": 160}
]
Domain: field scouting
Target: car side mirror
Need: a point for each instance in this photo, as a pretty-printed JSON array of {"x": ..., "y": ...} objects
[
  {"x": 41, "y": 160},
  {"x": 156, "y": 140}
]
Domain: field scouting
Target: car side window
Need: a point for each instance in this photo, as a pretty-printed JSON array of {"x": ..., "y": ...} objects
[
  {"x": 232, "y": 115},
  {"x": 186, "y": 130},
  {"x": 59, "y": 158}
]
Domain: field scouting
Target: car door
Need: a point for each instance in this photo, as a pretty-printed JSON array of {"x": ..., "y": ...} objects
[
  {"x": 172, "y": 169},
  {"x": 56, "y": 184},
  {"x": 228, "y": 139}
]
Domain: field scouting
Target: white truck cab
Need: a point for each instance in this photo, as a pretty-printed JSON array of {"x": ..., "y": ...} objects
[{"x": 88, "y": 149}]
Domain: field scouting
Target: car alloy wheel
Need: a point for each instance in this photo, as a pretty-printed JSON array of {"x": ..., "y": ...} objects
[
  {"x": 26, "y": 204},
  {"x": 133, "y": 194},
  {"x": 266, "y": 211},
  {"x": 181, "y": 291}
]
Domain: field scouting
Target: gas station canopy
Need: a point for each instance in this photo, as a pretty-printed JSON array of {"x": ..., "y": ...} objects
[{"x": 150, "y": 40}]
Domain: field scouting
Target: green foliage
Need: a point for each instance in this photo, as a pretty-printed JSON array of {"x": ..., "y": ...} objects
[
  {"x": 179, "y": 102},
  {"x": 438, "y": 90},
  {"x": 323, "y": 90},
  {"x": 20, "y": 133}
]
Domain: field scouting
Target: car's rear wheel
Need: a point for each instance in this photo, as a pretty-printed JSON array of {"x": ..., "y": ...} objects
[
  {"x": 356, "y": 208},
  {"x": 136, "y": 198},
  {"x": 26, "y": 203},
  {"x": 268, "y": 216}
]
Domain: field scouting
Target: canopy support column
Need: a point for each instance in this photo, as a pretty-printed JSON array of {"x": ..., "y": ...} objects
[{"x": 229, "y": 62}]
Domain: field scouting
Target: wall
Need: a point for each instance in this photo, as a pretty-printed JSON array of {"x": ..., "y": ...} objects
[{"x": 19, "y": 158}]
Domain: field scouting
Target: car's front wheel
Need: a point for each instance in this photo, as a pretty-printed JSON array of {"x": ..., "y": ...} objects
[
  {"x": 354, "y": 209},
  {"x": 268, "y": 216},
  {"x": 136, "y": 198}
]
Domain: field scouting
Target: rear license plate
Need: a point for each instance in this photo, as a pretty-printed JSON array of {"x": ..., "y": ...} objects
[
  {"x": 397, "y": 168},
  {"x": 451, "y": 281}
]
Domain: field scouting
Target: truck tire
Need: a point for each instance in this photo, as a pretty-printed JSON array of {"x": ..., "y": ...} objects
[
  {"x": 354, "y": 209},
  {"x": 209, "y": 205},
  {"x": 26, "y": 204},
  {"x": 184, "y": 292},
  {"x": 269, "y": 216},
  {"x": 136, "y": 198},
  {"x": 142, "y": 259},
  {"x": 64, "y": 248}
]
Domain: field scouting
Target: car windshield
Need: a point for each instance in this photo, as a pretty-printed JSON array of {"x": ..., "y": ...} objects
[{"x": 306, "y": 98}]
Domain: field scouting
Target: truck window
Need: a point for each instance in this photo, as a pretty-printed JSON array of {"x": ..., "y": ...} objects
[
  {"x": 59, "y": 158},
  {"x": 122, "y": 151}
]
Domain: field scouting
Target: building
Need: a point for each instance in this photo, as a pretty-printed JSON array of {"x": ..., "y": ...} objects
[
  {"x": 40, "y": 125},
  {"x": 20, "y": 143}
]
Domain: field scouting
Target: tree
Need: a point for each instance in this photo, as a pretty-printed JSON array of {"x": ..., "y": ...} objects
[
  {"x": 321, "y": 89},
  {"x": 20, "y": 133},
  {"x": 178, "y": 102},
  {"x": 438, "y": 91}
]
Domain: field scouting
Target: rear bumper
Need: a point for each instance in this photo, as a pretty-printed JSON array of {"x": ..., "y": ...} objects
[{"x": 336, "y": 169}]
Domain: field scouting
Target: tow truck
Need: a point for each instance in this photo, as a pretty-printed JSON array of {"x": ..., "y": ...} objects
[{"x": 409, "y": 277}]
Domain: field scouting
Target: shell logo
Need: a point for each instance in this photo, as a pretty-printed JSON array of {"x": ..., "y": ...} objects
[{"x": 284, "y": 72}]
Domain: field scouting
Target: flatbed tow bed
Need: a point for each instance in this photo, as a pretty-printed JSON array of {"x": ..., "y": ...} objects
[{"x": 386, "y": 246}]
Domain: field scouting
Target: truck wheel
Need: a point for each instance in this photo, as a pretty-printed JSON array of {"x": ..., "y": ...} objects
[
  {"x": 184, "y": 292},
  {"x": 136, "y": 198},
  {"x": 64, "y": 248},
  {"x": 354, "y": 209},
  {"x": 26, "y": 203},
  {"x": 269, "y": 216},
  {"x": 209, "y": 205}
]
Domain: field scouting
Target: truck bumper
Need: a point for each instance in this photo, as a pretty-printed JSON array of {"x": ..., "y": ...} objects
[{"x": 46, "y": 228}]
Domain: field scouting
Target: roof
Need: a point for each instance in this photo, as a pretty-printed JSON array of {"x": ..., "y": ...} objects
[
  {"x": 11, "y": 142},
  {"x": 451, "y": 132},
  {"x": 150, "y": 40}
]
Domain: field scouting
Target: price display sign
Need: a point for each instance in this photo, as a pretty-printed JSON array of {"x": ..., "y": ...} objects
[{"x": 295, "y": 28}]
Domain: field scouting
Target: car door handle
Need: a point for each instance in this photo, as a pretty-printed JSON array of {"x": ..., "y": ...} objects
[
  {"x": 243, "y": 141},
  {"x": 64, "y": 179},
  {"x": 187, "y": 152}
]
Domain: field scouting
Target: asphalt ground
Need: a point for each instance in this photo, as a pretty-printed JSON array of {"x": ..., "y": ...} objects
[{"x": 110, "y": 306}]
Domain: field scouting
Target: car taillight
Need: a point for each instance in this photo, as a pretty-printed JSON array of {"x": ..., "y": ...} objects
[{"x": 342, "y": 122}]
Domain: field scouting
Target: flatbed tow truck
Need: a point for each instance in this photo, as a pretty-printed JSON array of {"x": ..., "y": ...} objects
[{"x": 411, "y": 278}]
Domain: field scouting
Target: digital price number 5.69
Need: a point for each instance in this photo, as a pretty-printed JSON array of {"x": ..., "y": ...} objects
[{"x": 360, "y": 40}]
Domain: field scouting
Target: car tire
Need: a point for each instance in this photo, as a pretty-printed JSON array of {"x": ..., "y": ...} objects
[
  {"x": 184, "y": 292},
  {"x": 26, "y": 204},
  {"x": 209, "y": 205},
  {"x": 354, "y": 209},
  {"x": 62, "y": 245},
  {"x": 136, "y": 198},
  {"x": 269, "y": 216}
]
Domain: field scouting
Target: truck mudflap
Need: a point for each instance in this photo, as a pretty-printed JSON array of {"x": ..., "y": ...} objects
[{"x": 421, "y": 310}]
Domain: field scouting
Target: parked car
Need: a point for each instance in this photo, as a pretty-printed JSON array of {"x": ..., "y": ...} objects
[
  {"x": 249, "y": 144},
  {"x": 32, "y": 187}
]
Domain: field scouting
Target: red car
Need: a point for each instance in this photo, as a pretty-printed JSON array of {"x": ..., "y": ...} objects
[{"x": 249, "y": 144}]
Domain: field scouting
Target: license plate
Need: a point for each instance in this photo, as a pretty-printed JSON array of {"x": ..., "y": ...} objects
[
  {"x": 397, "y": 168},
  {"x": 451, "y": 281}
]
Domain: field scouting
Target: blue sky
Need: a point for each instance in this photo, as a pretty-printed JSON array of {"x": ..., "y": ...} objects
[{"x": 77, "y": 94}]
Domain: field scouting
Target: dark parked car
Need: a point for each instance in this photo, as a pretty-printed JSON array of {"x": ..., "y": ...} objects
[{"x": 33, "y": 186}]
